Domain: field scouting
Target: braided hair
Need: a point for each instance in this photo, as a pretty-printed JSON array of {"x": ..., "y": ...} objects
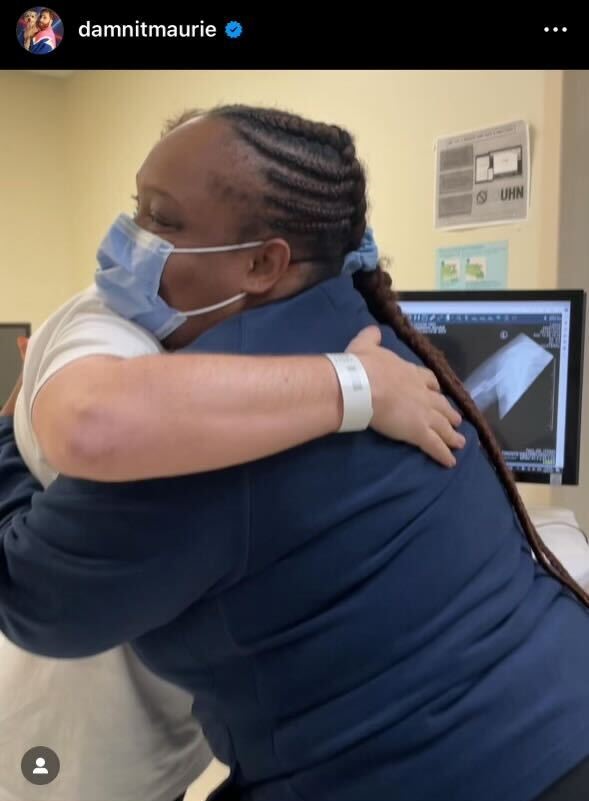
[{"x": 313, "y": 191}]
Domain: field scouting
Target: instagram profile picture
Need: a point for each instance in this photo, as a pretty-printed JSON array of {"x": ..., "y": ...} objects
[{"x": 39, "y": 30}]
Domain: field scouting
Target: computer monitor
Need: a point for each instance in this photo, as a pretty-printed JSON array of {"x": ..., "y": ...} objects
[
  {"x": 520, "y": 356},
  {"x": 10, "y": 361}
]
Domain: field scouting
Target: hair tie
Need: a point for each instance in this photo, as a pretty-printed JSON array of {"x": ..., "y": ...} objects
[{"x": 365, "y": 258}]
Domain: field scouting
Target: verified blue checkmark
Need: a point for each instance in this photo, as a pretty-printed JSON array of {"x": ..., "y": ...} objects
[{"x": 233, "y": 29}]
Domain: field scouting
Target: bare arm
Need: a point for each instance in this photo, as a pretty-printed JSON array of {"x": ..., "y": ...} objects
[{"x": 108, "y": 419}]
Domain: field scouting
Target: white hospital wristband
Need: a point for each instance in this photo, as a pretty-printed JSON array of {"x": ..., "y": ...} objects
[{"x": 356, "y": 394}]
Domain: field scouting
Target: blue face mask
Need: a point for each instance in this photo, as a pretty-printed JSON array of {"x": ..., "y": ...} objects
[
  {"x": 131, "y": 264},
  {"x": 132, "y": 261}
]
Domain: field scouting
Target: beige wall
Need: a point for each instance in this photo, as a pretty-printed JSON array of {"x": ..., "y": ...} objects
[
  {"x": 106, "y": 121},
  {"x": 113, "y": 119},
  {"x": 36, "y": 269}
]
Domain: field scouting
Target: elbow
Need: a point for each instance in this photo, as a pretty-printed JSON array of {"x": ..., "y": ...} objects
[{"x": 84, "y": 444}]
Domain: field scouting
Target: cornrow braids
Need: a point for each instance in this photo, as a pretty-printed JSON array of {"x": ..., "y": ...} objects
[
  {"x": 314, "y": 191},
  {"x": 313, "y": 184}
]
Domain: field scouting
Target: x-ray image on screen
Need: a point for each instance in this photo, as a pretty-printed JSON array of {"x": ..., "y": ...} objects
[
  {"x": 512, "y": 357},
  {"x": 511, "y": 369},
  {"x": 507, "y": 374}
]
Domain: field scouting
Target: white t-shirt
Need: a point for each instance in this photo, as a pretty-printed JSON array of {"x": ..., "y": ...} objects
[{"x": 121, "y": 733}]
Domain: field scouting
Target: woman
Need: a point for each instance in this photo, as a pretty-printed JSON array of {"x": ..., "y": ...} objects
[
  {"x": 353, "y": 620},
  {"x": 90, "y": 711}
]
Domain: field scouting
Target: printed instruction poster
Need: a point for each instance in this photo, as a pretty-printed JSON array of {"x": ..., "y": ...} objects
[
  {"x": 483, "y": 177},
  {"x": 475, "y": 267}
]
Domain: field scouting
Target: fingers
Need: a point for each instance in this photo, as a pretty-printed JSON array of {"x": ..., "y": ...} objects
[
  {"x": 443, "y": 428},
  {"x": 429, "y": 379},
  {"x": 22, "y": 344},
  {"x": 437, "y": 440},
  {"x": 433, "y": 445},
  {"x": 443, "y": 406}
]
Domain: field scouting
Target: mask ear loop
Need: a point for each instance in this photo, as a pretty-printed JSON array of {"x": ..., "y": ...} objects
[
  {"x": 219, "y": 249},
  {"x": 216, "y": 306}
]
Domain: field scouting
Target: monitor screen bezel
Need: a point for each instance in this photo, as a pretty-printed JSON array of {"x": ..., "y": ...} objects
[
  {"x": 577, "y": 299},
  {"x": 26, "y": 326}
]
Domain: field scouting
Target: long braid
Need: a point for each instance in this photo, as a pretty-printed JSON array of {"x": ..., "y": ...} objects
[
  {"x": 381, "y": 300},
  {"x": 314, "y": 191}
]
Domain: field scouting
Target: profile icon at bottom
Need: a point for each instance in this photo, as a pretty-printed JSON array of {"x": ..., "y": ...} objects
[{"x": 40, "y": 765}]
